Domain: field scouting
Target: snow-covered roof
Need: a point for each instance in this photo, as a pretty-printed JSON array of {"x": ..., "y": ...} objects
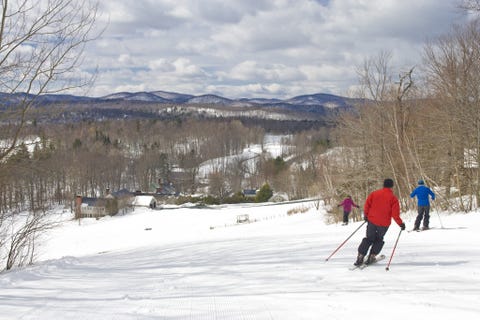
[{"x": 143, "y": 200}]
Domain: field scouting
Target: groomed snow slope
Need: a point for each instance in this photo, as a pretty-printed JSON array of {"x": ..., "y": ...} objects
[{"x": 186, "y": 263}]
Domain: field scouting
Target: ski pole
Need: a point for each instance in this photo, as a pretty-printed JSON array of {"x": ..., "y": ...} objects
[
  {"x": 341, "y": 245},
  {"x": 438, "y": 214},
  {"x": 393, "y": 251}
]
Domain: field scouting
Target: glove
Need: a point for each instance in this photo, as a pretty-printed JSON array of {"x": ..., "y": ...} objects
[
  {"x": 365, "y": 218},
  {"x": 402, "y": 226}
]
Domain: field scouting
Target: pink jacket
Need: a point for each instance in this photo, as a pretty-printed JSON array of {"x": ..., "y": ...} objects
[{"x": 347, "y": 204}]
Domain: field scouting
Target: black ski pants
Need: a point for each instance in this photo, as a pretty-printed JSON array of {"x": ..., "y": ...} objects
[
  {"x": 345, "y": 216},
  {"x": 423, "y": 213},
  {"x": 373, "y": 239}
]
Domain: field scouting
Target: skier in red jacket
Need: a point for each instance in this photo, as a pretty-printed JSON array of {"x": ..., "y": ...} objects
[
  {"x": 380, "y": 207},
  {"x": 347, "y": 205}
]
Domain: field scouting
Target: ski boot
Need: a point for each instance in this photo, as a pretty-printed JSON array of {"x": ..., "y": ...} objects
[
  {"x": 371, "y": 259},
  {"x": 359, "y": 260}
]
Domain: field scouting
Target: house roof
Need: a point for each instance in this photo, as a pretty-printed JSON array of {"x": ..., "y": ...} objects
[
  {"x": 93, "y": 202},
  {"x": 250, "y": 192},
  {"x": 143, "y": 200}
]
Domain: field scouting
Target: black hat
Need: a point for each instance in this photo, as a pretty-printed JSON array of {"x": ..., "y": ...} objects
[{"x": 388, "y": 183}]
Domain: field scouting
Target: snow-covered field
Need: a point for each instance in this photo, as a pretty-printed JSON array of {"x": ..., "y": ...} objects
[{"x": 187, "y": 263}]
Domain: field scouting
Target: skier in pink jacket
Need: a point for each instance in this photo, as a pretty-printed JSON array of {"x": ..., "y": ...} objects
[{"x": 347, "y": 205}]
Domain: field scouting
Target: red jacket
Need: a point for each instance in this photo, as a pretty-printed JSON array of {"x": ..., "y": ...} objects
[{"x": 381, "y": 206}]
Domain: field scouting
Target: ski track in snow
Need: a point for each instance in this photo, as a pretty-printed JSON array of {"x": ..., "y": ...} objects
[{"x": 272, "y": 269}]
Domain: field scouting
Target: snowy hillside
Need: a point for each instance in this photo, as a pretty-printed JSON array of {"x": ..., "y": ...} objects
[
  {"x": 191, "y": 263},
  {"x": 273, "y": 146}
]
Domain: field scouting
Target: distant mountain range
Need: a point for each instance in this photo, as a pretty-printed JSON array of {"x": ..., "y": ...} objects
[
  {"x": 162, "y": 104},
  {"x": 317, "y": 99}
]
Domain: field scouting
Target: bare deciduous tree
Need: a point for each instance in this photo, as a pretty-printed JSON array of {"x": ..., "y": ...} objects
[
  {"x": 41, "y": 46},
  {"x": 453, "y": 76},
  {"x": 473, "y": 5},
  {"x": 375, "y": 139},
  {"x": 20, "y": 243}
]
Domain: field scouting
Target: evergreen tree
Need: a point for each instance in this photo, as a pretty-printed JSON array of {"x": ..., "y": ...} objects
[{"x": 264, "y": 193}]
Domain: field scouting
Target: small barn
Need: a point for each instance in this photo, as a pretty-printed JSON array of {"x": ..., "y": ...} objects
[{"x": 145, "y": 201}]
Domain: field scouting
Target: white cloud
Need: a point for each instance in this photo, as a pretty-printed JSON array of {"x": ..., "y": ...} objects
[
  {"x": 161, "y": 65},
  {"x": 241, "y": 48},
  {"x": 125, "y": 59},
  {"x": 180, "y": 67},
  {"x": 184, "y": 67},
  {"x": 253, "y": 71}
]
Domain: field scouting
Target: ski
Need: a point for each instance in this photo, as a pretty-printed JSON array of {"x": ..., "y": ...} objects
[
  {"x": 419, "y": 230},
  {"x": 364, "y": 265}
]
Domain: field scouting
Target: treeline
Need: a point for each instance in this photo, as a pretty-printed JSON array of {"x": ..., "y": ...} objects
[
  {"x": 422, "y": 124},
  {"x": 86, "y": 158}
]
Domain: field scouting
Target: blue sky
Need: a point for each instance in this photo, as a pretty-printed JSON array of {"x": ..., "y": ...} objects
[{"x": 257, "y": 48}]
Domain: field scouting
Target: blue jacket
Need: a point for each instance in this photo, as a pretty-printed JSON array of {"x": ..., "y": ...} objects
[{"x": 422, "y": 193}]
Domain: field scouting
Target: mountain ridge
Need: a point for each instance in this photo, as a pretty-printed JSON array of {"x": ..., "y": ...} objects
[
  {"x": 319, "y": 109},
  {"x": 159, "y": 96},
  {"x": 326, "y": 99}
]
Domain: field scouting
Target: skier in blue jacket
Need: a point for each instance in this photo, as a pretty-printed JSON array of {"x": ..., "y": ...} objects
[{"x": 422, "y": 193}]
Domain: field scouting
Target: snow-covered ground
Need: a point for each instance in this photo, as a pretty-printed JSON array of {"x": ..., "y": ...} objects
[{"x": 187, "y": 263}]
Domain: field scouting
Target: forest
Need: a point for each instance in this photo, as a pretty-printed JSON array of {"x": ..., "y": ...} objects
[{"x": 87, "y": 158}]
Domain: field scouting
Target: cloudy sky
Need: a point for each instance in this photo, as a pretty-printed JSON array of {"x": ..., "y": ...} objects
[{"x": 258, "y": 48}]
